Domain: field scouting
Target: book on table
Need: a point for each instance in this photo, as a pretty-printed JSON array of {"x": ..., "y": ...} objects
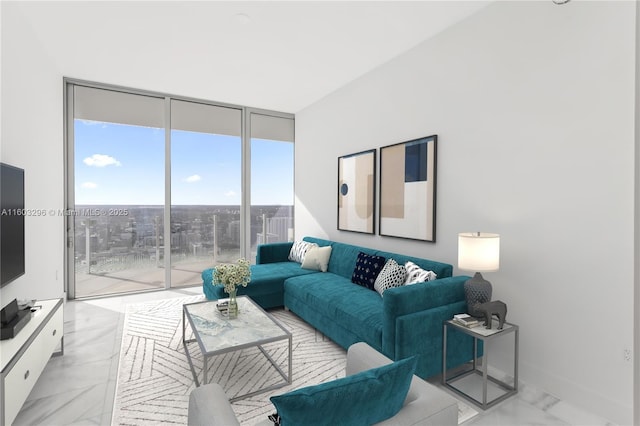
[
  {"x": 466, "y": 320},
  {"x": 223, "y": 306}
]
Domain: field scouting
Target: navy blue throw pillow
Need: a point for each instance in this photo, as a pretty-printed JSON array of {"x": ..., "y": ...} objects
[{"x": 367, "y": 269}]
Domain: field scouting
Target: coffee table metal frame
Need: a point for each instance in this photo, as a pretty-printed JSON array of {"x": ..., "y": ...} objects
[
  {"x": 486, "y": 336},
  {"x": 218, "y": 319}
]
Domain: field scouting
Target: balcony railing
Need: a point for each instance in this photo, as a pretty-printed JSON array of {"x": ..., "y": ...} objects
[{"x": 131, "y": 250}]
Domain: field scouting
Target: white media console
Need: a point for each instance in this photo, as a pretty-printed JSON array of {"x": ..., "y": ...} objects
[{"x": 24, "y": 357}]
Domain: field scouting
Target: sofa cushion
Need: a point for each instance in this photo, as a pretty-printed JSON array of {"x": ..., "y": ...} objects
[
  {"x": 364, "y": 398},
  {"x": 416, "y": 274},
  {"x": 299, "y": 250},
  {"x": 273, "y": 252},
  {"x": 265, "y": 279},
  {"x": 343, "y": 256},
  {"x": 442, "y": 270},
  {"x": 339, "y": 301},
  {"x": 367, "y": 269},
  {"x": 392, "y": 275},
  {"x": 319, "y": 241},
  {"x": 317, "y": 259}
]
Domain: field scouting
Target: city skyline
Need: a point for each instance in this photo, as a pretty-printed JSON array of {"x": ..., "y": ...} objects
[{"x": 136, "y": 239}]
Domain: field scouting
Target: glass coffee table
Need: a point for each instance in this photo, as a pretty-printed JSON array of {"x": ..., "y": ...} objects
[{"x": 217, "y": 334}]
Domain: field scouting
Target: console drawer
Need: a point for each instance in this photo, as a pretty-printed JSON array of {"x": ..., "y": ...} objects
[
  {"x": 20, "y": 380},
  {"x": 52, "y": 332}
]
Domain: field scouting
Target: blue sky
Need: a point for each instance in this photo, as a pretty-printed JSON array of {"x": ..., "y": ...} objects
[{"x": 122, "y": 164}]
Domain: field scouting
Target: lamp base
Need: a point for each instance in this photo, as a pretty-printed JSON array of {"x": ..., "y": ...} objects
[{"x": 477, "y": 291}]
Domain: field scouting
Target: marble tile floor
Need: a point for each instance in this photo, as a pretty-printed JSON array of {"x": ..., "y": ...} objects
[
  {"x": 529, "y": 406},
  {"x": 78, "y": 388}
]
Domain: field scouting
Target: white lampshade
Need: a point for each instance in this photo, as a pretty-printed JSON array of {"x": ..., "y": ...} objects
[{"x": 478, "y": 251}]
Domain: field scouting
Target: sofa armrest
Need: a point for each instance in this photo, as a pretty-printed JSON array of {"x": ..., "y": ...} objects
[
  {"x": 209, "y": 405},
  {"x": 405, "y": 300},
  {"x": 273, "y": 252},
  {"x": 425, "y": 404},
  {"x": 419, "y": 297},
  {"x": 420, "y": 333},
  {"x": 362, "y": 357},
  {"x": 412, "y": 321}
]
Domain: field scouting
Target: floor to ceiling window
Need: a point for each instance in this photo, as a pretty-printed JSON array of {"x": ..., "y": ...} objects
[
  {"x": 160, "y": 188},
  {"x": 114, "y": 220},
  {"x": 271, "y": 179},
  {"x": 206, "y": 188}
]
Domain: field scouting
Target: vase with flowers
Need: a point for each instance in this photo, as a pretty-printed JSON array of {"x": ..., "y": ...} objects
[{"x": 232, "y": 275}]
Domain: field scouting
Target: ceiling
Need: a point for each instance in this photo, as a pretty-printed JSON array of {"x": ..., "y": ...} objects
[{"x": 274, "y": 55}]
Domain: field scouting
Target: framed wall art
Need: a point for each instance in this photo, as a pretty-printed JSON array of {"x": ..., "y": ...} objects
[
  {"x": 356, "y": 192},
  {"x": 408, "y": 189}
]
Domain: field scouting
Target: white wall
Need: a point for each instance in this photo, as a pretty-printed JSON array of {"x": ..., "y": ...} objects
[
  {"x": 533, "y": 105},
  {"x": 32, "y": 139},
  {"x": 636, "y": 359}
]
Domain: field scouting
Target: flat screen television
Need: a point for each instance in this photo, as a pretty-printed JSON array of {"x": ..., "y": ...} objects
[{"x": 11, "y": 223}]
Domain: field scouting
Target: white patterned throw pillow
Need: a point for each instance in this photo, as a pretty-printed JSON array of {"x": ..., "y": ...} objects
[
  {"x": 299, "y": 250},
  {"x": 392, "y": 275},
  {"x": 416, "y": 274}
]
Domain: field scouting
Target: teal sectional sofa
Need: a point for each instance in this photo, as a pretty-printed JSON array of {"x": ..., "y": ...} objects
[{"x": 407, "y": 321}]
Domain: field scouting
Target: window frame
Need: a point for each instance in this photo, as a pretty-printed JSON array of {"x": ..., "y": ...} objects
[{"x": 246, "y": 113}]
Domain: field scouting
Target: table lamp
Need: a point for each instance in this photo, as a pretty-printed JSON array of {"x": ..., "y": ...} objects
[{"x": 478, "y": 252}]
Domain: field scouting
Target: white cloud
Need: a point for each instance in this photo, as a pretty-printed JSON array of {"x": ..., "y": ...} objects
[
  {"x": 90, "y": 122},
  {"x": 194, "y": 178},
  {"x": 89, "y": 185},
  {"x": 102, "y": 124},
  {"x": 230, "y": 194},
  {"x": 101, "y": 160}
]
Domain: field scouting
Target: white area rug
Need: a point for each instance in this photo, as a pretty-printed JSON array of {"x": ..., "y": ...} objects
[{"x": 154, "y": 378}]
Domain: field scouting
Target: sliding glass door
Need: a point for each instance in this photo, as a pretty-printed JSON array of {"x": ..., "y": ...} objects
[
  {"x": 161, "y": 188},
  {"x": 118, "y": 189},
  {"x": 206, "y": 188},
  {"x": 271, "y": 179}
]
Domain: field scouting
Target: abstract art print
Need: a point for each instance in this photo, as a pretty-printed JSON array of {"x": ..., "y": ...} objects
[
  {"x": 356, "y": 192},
  {"x": 408, "y": 189}
]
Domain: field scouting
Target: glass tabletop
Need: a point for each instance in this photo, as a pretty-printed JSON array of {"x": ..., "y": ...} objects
[
  {"x": 482, "y": 330},
  {"x": 217, "y": 333}
]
